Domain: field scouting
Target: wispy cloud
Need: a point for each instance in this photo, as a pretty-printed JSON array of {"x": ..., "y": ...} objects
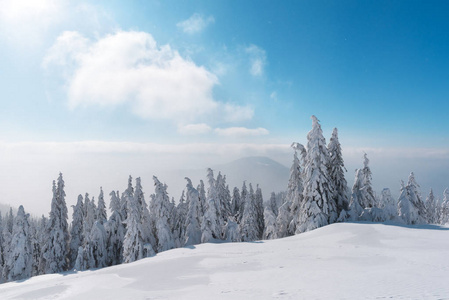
[
  {"x": 241, "y": 131},
  {"x": 258, "y": 60},
  {"x": 194, "y": 129},
  {"x": 129, "y": 67},
  {"x": 196, "y": 23}
]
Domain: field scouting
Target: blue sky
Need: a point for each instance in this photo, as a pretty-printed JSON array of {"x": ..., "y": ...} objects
[{"x": 227, "y": 73}]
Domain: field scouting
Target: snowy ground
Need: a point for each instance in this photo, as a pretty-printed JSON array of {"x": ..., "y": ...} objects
[{"x": 340, "y": 261}]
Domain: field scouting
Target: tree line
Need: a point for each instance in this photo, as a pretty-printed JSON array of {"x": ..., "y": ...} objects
[{"x": 317, "y": 194}]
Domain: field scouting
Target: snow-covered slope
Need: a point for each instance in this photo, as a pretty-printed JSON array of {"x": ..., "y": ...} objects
[{"x": 339, "y": 261}]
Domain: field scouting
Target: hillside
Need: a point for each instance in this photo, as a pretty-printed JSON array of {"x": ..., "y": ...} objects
[{"x": 339, "y": 261}]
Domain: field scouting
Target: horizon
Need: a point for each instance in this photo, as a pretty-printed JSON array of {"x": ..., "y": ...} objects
[{"x": 100, "y": 90}]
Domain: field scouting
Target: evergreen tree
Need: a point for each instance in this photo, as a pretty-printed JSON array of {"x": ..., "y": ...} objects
[
  {"x": 270, "y": 231},
  {"x": 7, "y": 237},
  {"x": 283, "y": 220},
  {"x": 2, "y": 245},
  {"x": 295, "y": 189},
  {"x": 258, "y": 202},
  {"x": 444, "y": 208},
  {"x": 97, "y": 244},
  {"x": 101, "y": 209},
  {"x": 203, "y": 199},
  {"x": 411, "y": 207},
  {"x": 56, "y": 248},
  {"x": 209, "y": 223},
  {"x": 388, "y": 204},
  {"x": 180, "y": 221},
  {"x": 242, "y": 203},
  {"x": 318, "y": 207},
  {"x": 19, "y": 263},
  {"x": 367, "y": 199},
  {"x": 212, "y": 194},
  {"x": 431, "y": 208},
  {"x": 89, "y": 215},
  {"x": 232, "y": 230},
  {"x": 116, "y": 231},
  {"x": 336, "y": 169},
  {"x": 249, "y": 226},
  {"x": 76, "y": 230},
  {"x": 192, "y": 224},
  {"x": 162, "y": 230},
  {"x": 355, "y": 206},
  {"x": 224, "y": 199},
  {"x": 235, "y": 202}
]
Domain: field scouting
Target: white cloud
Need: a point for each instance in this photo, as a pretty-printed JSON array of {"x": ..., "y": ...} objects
[
  {"x": 129, "y": 67},
  {"x": 196, "y": 23},
  {"x": 241, "y": 131},
  {"x": 194, "y": 129},
  {"x": 258, "y": 60}
]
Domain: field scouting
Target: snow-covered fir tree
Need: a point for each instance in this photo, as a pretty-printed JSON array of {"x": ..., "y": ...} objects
[
  {"x": 270, "y": 231},
  {"x": 295, "y": 189},
  {"x": 19, "y": 263},
  {"x": 318, "y": 207},
  {"x": 235, "y": 201},
  {"x": 98, "y": 245},
  {"x": 242, "y": 202},
  {"x": 431, "y": 208},
  {"x": 258, "y": 202},
  {"x": 410, "y": 205},
  {"x": 192, "y": 223},
  {"x": 388, "y": 204},
  {"x": 355, "y": 206},
  {"x": 202, "y": 193},
  {"x": 2, "y": 260},
  {"x": 336, "y": 169},
  {"x": 147, "y": 233},
  {"x": 444, "y": 208},
  {"x": 232, "y": 230},
  {"x": 133, "y": 243},
  {"x": 56, "y": 248},
  {"x": 8, "y": 223},
  {"x": 101, "y": 208},
  {"x": 76, "y": 230},
  {"x": 212, "y": 194},
  {"x": 368, "y": 199},
  {"x": 249, "y": 229},
  {"x": 283, "y": 220},
  {"x": 179, "y": 230},
  {"x": 162, "y": 230},
  {"x": 89, "y": 215},
  {"x": 116, "y": 230},
  {"x": 223, "y": 198}
]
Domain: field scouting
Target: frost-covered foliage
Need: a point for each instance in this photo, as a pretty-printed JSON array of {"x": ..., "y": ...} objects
[
  {"x": 283, "y": 220},
  {"x": 76, "y": 230},
  {"x": 249, "y": 230},
  {"x": 232, "y": 230},
  {"x": 192, "y": 224},
  {"x": 19, "y": 263},
  {"x": 318, "y": 207},
  {"x": 336, "y": 169},
  {"x": 367, "y": 194},
  {"x": 270, "y": 231},
  {"x": 410, "y": 205},
  {"x": 116, "y": 230},
  {"x": 101, "y": 208},
  {"x": 133, "y": 241},
  {"x": 431, "y": 208},
  {"x": 295, "y": 189},
  {"x": 56, "y": 248},
  {"x": 162, "y": 231},
  {"x": 258, "y": 203},
  {"x": 444, "y": 209},
  {"x": 236, "y": 201},
  {"x": 388, "y": 204}
]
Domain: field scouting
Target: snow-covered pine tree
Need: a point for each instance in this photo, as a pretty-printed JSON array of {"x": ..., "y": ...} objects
[
  {"x": 318, "y": 207},
  {"x": 368, "y": 200},
  {"x": 224, "y": 199},
  {"x": 2, "y": 260},
  {"x": 76, "y": 230},
  {"x": 129, "y": 192},
  {"x": 270, "y": 231},
  {"x": 235, "y": 201},
  {"x": 258, "y": 202},
  {"x": 283, "y": 220},
  {"x": 295, "y": 189},
  {"x": 355, "y": 206},
  {"x": 147, "y": 234},
  {"x": 192, "y": 223},
  {"x": 212, "y": 194},
  {"x": 133, "y": 241},
  {"x": 163, "y": 233},
  {"x": 431, "y": 208},
  {"x": 116, "y": 231},
  {"x": 336, "y": 169},
  {"x": 249, "y": 229},
  {"x": 388, "y": 204},
  {"x": 179, "y": 229},
  {"x": 56, "y": 248},
  {"x": 89, "y": 215},
  {"x": 42, "y": 239},
  {"x": 410, "y": 206},
  {"x": 8, "y": 223},
  {"x": 242, "y": 202},
  {"x": 19, "y": 263},
  {"x": 202, "y": 192},
  {"x": 444, "y": 208},
  {"x": 35, "y": 246},
  {"x": 97, "y": 243},
  {"x": 232, "y": 230},
  {"x": 101, "y": 208},
  {"x": 209, "y": 223}
]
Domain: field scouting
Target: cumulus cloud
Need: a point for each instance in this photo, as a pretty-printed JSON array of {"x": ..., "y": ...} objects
[
  {"x": 241, "y": 131},
  {"x": 194, "y": 129},
  {"x": 196, "y": 23},
  {"x": 258, "y": 60},
  {"x": 129, "y": 67}
]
